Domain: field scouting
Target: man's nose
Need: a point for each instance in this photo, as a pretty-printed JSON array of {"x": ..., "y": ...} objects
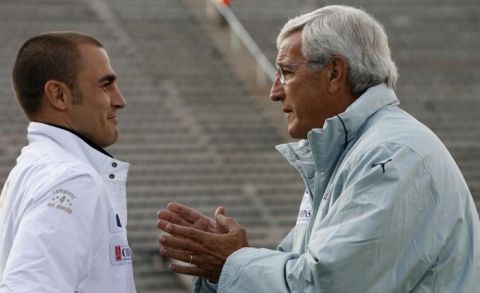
[
  {"x": 277, "y": 92},
  {"x": 118, "y": 101}
]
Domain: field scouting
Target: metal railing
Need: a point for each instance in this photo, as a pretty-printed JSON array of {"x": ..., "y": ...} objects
[{"x": 265, "y": 69}]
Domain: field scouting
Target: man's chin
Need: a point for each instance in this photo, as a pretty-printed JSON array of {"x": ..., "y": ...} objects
[
  {"x": 291, "y": 132},
  {"x": 296, "y": 134},
  {"x": 111, "y": 140}
]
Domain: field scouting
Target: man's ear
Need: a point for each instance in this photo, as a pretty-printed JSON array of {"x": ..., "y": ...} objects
[
  {"x": 338, "y": 77},
  {"x": 57, "y": 94}
]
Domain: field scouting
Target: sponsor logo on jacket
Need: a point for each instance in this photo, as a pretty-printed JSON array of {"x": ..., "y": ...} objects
[{"x": 120, "y": 253}]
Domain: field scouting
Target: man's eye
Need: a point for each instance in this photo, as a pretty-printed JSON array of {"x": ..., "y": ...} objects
[{"x": 287, "y": 69}]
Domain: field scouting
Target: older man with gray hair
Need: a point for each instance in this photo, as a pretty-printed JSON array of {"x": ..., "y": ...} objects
[{"x": 385, "y": 207}]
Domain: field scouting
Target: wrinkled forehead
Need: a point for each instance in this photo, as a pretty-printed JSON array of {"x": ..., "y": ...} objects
[{"x": 290, "y": 48}]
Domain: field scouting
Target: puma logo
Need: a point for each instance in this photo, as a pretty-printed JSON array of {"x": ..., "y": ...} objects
[{"x": 382, "y": 164}]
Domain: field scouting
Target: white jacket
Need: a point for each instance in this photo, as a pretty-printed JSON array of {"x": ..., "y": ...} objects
[{"x": 63, "y": 218}]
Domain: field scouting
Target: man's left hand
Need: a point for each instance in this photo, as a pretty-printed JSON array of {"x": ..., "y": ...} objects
[{"x": 207, "y": 252}]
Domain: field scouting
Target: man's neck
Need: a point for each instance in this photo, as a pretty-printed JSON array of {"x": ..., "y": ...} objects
[{"x": 85, "y": 139}]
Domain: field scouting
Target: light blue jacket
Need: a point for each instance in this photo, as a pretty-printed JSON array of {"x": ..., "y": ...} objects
[{"x": 386, "y": 209}]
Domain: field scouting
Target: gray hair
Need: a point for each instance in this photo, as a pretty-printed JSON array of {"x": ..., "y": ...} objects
[{"x": 351, "y": 33}]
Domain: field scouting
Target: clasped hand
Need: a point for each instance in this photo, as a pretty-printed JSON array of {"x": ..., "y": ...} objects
[{"x": 194, "y": 238}]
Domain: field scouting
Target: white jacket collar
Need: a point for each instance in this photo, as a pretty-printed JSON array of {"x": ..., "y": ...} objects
[{"x": 40, "y": 132}]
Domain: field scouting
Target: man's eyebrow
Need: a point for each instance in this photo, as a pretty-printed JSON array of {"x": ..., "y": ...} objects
[
  {"x": 283, "y": 64},
  {"x": 108, "y": 78}
]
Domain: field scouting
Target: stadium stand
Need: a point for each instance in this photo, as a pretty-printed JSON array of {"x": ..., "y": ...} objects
[{"x": 194, "y": 133}]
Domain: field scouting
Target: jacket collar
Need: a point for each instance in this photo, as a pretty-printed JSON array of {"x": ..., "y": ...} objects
[
  {"x": 76, "y": 146},
  {"x": 85, "y": 139},
  {"x": 374, "y": 99},
  {"x": 324, "y": 146}
]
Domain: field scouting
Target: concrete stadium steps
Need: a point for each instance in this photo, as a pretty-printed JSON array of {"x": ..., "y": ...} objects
[{"x": 410, "y": 26}]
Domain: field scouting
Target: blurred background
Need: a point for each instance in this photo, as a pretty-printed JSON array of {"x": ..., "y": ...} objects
[{"x": 200, "y": 128}]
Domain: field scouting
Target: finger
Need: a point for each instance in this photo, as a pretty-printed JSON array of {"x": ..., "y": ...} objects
[
  {"x": 165, "y": 215},
  {"x": 172, "y": 218},
  {"x": 188, "y": 233},
  {"x": 227, "y": 223},
  {"x": 202, "y": 259},
  {"x": 181, "y": 255},
  {"x": 185, "y": 212},
  {"x": 219, "y": 211},
  {"x": 162, "y": 224},
  {"x": 182, "y": 245},
  {"x": 205, "y": 224},
  {"x": 186, "y": 270},
  {"x": 197, "y": 219}
]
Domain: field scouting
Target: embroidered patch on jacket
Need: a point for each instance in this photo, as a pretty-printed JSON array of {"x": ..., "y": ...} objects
[
  {"x": 62, "y": 199},
  {"x": 305, "y": 211},
  {"x": 120, "y": 253}
]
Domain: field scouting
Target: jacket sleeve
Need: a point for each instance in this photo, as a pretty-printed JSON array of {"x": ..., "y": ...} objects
[
  {"x": 50, "y": 251},
  {"x": 380, "y": 234},
  {"x": 202, "y": 285}
]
